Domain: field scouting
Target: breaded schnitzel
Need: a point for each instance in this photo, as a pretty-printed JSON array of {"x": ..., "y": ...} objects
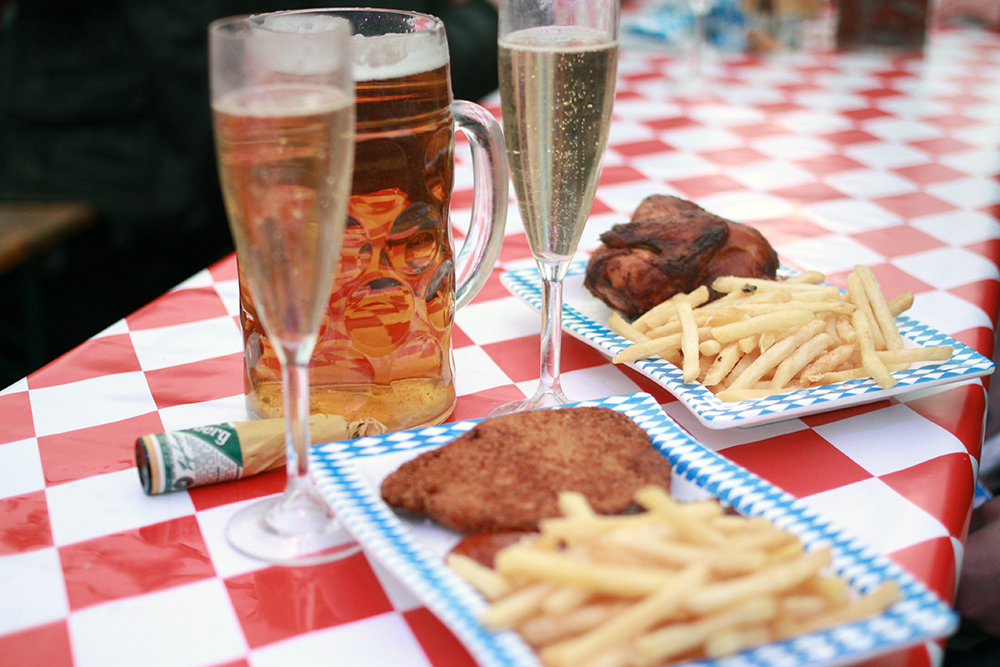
[{"x": 507, "y": 472}]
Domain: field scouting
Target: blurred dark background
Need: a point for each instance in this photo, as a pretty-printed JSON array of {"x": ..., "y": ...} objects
[{"x": 105, "y": 102}]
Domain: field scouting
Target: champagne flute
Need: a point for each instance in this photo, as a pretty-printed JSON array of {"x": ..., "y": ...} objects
[
  {"x": 558, "y": 62},
  {"x": 700, "y": 63},
  {"x": 699, "y": 13},
  {"x": 283, "y": 110}
]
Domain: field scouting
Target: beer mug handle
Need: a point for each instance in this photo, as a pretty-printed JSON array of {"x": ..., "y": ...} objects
[{"x": 481, "y": 247}]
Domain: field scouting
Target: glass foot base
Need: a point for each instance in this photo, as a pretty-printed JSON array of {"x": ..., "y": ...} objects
[
  {"x": 541, "y": 400},
  {"x": 295, "y": 529}
]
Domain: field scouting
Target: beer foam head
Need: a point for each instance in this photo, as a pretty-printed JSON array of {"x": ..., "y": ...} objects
[
  {"x": 395, "y": 55},
  {"x": 299, "y": 43}
]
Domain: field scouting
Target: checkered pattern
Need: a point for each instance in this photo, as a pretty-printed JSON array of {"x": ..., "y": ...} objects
[
  {"x": 837, "y": 159},
  {"x": 349, "y": 476}
]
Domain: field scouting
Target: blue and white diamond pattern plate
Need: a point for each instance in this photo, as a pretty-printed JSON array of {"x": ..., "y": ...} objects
[
  {"x": 350, "y": 475},
  {"x": 585, "y": 317}
]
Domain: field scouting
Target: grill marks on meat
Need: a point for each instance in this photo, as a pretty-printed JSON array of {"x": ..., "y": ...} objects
[
  {"x": 643, "y": 263},
  {"x": 507, "y": 472},
  {"x": 672, "y": 246}
]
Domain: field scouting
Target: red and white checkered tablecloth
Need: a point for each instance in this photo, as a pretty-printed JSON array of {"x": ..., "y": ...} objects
[{"x": 837, "y": 159}]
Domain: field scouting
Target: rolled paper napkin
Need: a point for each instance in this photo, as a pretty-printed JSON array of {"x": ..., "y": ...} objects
[{"x": 221, "y": 452}]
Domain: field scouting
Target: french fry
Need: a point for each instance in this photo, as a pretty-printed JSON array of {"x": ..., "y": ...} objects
[
  {"x": 649, "y": 347},
  {"x": 566, "y": 600},
  {"x": 826, "y": 362},
  {"x": 856, "y": 373},
  {"x": 793, "y": 608},
  {"x": 690, "y": 527},
  {"x": 616, "y": 656},
  {"x": 766, "y": 581},
  {"x": 758, "y": 296},
  {"x": 574, "y": 505},
  {"x": 721, "y": 583},
  {"x": 749, "y": 343},
  {"x": 562, "y": 569},
  {"x": 797, "y": 360},
  {"x": 487, "y": 581},
  {"x": 732, "y": 640},
  {"x": 689, "y": 341},
  {"x": 812, "y": 277},
  {"x": 656, "y": 316},
  {"x": 618, "y": 324},
  {"x": 741, "y": 365},
  {"x": 859, "y": 297},
  {"x": 845, "y": 330},
  {"x": 631, "y": 622},
  {"x": 767, "y": 339},
  {"x": 702, "y": 317},
  {"x": 570, "y": 530},
  {"x": 866, "y": 345},
  {"x": 776, "y": 354},
  {"x": 884, "y": 319},
  {"x": 820, "y": 306},
  {"x": 773, "y": 321},
  {"x": 900, "y": 303},
  {"x": 916, "y": 355},
  {"x": 724, "y": 362},
  {"x": 551, "y": 627},
  {"x": 658, "y": 346},
  {"x": 729, "y": 284},
  {"x": 664, "y": 311},
  {"x": 677, "y": 639},
  {"x": 867, "y": 605},
  {"x": 750, "y": 325},
  {"x": 511, "y": 609},
  {"x": 679, "y": 554},
  {"x": 710, "y": 348}
]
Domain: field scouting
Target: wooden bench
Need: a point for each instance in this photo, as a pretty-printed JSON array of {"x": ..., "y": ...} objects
[{"x": 28, "y": 231}]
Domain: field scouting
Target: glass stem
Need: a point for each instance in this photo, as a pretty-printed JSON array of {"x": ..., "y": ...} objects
[
  {"x": 699, "y": 44},
  {"x": 699, "y": 10},
  {"x": 552, "y": 302},
  {"x": 295, "y": 376}
]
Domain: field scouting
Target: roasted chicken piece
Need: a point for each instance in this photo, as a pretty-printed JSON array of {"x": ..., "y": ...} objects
[{"x": 671, "y": 246}]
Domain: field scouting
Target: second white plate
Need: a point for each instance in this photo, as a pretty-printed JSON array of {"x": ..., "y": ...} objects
[{"x": 586, "y": 317}]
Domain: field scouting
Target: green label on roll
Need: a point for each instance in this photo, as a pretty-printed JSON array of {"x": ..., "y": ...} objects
[
  {"x": 203, "y": 455},
  {"x": 222, "y": 436}
]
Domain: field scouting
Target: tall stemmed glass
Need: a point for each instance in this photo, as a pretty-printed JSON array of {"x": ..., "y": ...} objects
[
  {"x": 699, "y": 39},
  {"x": 283, "y": 109},
  {"x": 558, "y": 62}
]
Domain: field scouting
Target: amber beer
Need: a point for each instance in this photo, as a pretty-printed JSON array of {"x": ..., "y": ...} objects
[{"x": 384, "y": 344}]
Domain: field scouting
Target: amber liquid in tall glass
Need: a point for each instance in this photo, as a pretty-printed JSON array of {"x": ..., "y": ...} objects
[{"x": 384, "y": 349}]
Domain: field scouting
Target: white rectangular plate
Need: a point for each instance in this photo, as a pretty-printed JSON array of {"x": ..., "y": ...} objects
[
  {"x": 586, "y": 317},
  {"x": 350, "y": 475}
]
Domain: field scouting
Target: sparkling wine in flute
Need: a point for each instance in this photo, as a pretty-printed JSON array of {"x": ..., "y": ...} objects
[
  {"x": 557, "y": 86},
  {"x": 281, "y": 151},
  {"x": 282, "y": 100}
]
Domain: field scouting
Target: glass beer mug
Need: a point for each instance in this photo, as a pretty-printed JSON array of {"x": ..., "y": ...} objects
[{"x": 384, "y": 347}]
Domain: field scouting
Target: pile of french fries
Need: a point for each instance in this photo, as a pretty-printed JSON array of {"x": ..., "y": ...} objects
[
  {"x": 765, "y": 337},
  {"x": 675, "y": 582}
]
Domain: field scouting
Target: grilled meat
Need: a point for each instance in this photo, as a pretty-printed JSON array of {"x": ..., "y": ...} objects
[{"x": 673, "y": 246}]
